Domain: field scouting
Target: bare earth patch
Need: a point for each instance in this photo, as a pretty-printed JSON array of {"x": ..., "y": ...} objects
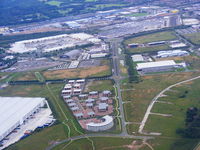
[{"x": 75, "y": 73}]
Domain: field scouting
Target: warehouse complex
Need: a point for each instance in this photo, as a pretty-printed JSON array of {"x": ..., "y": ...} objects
[
  {"x": 159, "y": 66},
  {"x": 172, "y": 53},
  {"x": 53, "y": 43},
  {"x": 15, "y": 111}
]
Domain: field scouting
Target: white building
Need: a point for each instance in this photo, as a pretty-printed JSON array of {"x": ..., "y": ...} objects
[
  {"x": 158, "y": 66},
  {"x": 177, "y": 44},
  {"x": 15, "y": 111},
  {"x": 137, "y": 58},
  {"x": 190, "y": 21},
  {"x": 99, "y": 55},
  {"x": 173, "y": 53},
  {"x": 105, "y": 124},
  {"x": 73, "y": 64},
  {"x": 53, "y": 43}
]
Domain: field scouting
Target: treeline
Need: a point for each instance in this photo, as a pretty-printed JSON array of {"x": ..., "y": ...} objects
[
  {"x": 192, "y": 124},
  {"x": 27, "y": 11},
  {"x": 132, "y": 72}
]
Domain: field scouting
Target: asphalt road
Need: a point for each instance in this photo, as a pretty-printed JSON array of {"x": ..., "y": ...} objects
[{"x": 117, "y": 76}]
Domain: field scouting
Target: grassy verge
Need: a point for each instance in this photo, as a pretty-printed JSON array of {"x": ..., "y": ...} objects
[
  {"x": 39, "y": 76},
  {"x": 100, "y": 143}
]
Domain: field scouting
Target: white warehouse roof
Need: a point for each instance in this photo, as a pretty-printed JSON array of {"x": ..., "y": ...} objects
[
  {"x": 155, "y": 64},
  {"x": 137, "y": 58},
  {"x": 14, "y": 110}
]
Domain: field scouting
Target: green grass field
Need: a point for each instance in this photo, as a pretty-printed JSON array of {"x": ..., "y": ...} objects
[
  {"x": 159, "y": 36},
  {"x": 99, "y": 85},
  {"x": 137, "y": 14},
  {"x": 166, "y": 143},
  {"x": 138, "y": 101},
  {"x": 180, "y": 99},
  {"x": 148, "y": 49},
  {"x": 6, "y": 77},
  {"x": 100, "y": 143},
  {"x": 24, "y": 76},
  {"x": 193, "y": 37}
]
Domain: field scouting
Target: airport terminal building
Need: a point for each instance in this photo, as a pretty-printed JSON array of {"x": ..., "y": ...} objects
[{"x": 15, "y": 111}]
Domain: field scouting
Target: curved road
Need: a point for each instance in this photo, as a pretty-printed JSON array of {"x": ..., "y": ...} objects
[
  {"x": 98, "y": 135},
  {"x": 156, "y": 98}
]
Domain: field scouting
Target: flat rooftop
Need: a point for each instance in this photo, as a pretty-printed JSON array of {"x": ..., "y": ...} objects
[
  {"x": 14, "y": 109},
  {"x": 156, "y": 64}
]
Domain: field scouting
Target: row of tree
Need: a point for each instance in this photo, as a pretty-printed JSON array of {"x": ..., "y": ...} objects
[
  {"x": 192, "y": 124},
  {"x": 132, "y": 72}
]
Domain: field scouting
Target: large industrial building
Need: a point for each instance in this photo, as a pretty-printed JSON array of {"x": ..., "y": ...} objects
[
  {"x": 158, "y": 66},
  {"x": 137, "y": 58},
  {"x": 53, "y": 43},
  {"x": 15, "y": 111},
  {"x": 172, "y": 53}
]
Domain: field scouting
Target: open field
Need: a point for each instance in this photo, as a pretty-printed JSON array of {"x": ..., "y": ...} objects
[
  {"x": 78, "y": 73},
  {"x": 137, "y": 14},
  {"x": 148, "y": 49},
  {"x": 99, "y": 85},
  {"x": 24, "y": 76},
  {"x": 132, "y": 128},
  {"x": 159, "y": 36},
  {"x": 101, "y": 143},
  {"x": 165, "y": 143},
  {"x": 150, "y": 85},
  {"x": 193, "y": 37},
  {"x": 180, "y": 98},
  {"x": 49, "y": 135},
  {"x": 176, "y": 102}
]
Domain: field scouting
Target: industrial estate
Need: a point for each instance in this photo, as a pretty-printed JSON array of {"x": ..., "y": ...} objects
[{"x": 125, "y": 78}]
